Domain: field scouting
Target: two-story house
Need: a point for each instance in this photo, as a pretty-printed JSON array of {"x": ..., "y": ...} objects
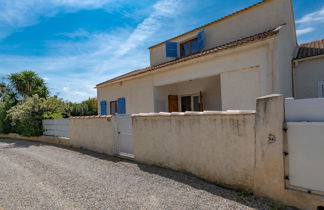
[{"x": 225, "y": 64}]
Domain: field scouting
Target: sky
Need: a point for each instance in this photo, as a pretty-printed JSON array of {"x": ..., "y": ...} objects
[{"x": 75, "y": 44}]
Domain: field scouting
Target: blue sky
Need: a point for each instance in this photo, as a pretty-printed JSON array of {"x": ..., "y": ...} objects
[{"x": 76, "y": 44}]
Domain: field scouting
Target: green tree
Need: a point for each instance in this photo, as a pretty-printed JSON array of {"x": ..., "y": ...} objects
[
  {"x": 26, "y": 117},
  {"x": 26, "y": 84},
  {"x": 85, "y": 108},
  {"x": 7, "y": 100}
]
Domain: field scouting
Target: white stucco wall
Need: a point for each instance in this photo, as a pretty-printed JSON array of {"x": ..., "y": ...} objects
[
  {"x": 240, "y": 89},
  {"x": 93, "y": 133},
  {"x": 307, "y": 75},
  {"x": 138, "y": 94},
  {"x": 256, "y": 20},
  {"x": 217, "y": 147}
]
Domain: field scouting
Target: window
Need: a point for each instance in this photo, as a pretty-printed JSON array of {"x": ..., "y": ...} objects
[
  {"x": 190, "y": 103},
  {"x": 113, "y": 107},
  {"x": 189, "y": 47},
  {"x": 321, "y": 89},
  {"x": 186, "y": 48}
]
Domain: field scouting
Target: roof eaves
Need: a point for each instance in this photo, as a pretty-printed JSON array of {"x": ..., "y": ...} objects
[{"x": 230, "y": 45}]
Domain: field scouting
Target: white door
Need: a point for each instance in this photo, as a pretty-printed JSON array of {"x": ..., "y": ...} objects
[{"x": 125, "y": 138}]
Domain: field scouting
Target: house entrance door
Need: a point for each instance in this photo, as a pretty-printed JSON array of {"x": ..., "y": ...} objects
[{"x": 173, "y": 103}]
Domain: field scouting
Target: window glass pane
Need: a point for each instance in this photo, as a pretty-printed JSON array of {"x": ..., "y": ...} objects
[
  {"x": 323, "y": 90},
  {"x": 113, "y": 107},
  {"x": 185, "y": 103},
  {"x": 196, "y": 103}
]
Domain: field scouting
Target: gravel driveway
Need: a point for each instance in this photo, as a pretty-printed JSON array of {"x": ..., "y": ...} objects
[{"x": 44, "y": 176}]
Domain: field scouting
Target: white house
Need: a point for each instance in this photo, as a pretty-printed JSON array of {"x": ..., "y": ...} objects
[
  {"x": 308, "y": 71},
  {"x": 225, "y": 64}
]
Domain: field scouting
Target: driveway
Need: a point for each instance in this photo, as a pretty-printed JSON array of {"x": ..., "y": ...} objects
[{"x": 43, "y": 176}]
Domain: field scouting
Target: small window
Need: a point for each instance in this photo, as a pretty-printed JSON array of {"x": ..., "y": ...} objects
[
  {"x": 321, "y": 89},
  {"x": 189, "y": 47},
  {"x": 185, "y": 103},
  {"x": 190, "y": 103},
  {"x": 113, "y": 107}
]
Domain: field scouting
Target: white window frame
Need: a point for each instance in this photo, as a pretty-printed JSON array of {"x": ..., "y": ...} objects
[
  {"x": 192, "y": 101},
  {"x": 320, "y": 89}
]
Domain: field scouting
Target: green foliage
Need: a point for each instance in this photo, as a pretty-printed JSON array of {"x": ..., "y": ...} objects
[
  {"x": 276, "y": 205},
  {"x": 85, "y": 108},
  {"x": 243, "y": 195},
  {"x": 25, "y": 102},
  {"x": 27, "y": 83},
  {"x": 7, "y": 100},
  {"x": 26, "y": 117}
]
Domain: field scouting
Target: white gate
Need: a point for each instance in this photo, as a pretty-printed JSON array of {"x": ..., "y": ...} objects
[
  {"x": 305, "y": 144},
  {"x": 124, "y": 135},
  {"x": 56, "y": 127}
]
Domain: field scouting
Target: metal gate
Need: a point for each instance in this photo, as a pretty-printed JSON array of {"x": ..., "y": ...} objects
[{"x": 124, "y": 135}]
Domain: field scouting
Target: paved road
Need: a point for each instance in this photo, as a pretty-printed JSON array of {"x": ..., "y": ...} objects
[{"x": 44, "y": 176}]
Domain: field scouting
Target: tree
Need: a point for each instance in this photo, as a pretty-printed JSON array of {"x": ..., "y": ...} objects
[
  {"x": 85, "y": 108},
  {"x": 26, "y": 84},
  {"x": 7, "y": 100},
  {"x": 26, "y": 117}
]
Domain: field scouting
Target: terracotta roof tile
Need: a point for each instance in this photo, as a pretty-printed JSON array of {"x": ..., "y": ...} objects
[
  {"x": 246, "y": 40},
  {"x": 310, "y": 49}
]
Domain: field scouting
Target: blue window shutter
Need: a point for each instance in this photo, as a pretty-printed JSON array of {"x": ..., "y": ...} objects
[
  {"x": 121, "y": 105},
  {"x": 194, "y": 46},
  {"x": 103, "y": 108},
  {"x": 171, "y": 49},
  {"x": 201, "y": 39}
]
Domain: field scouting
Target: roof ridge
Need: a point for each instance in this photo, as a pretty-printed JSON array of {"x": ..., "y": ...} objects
[{"x": 311, "y": 42}]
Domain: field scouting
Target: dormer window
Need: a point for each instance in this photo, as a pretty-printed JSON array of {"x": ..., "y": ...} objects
[
  {"x": 189, "y": 47},
  {"x": 186, "y": 48}
]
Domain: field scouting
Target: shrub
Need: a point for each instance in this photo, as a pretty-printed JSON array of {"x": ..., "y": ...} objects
[{"x": 26, "y": 117}]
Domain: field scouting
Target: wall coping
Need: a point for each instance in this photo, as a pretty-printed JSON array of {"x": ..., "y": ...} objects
[
  {"x": 91, "y": 117},
  {"x": 204, "y": 113}
]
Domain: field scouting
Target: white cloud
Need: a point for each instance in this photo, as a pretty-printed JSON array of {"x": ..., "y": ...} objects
[
  {"x": 310, "y": 22},
  {"x": 75, "y": 67},
  {"x": 65, "y": 89},
  {"x": 314, "y": 17},
  {"x": 80, "y": 93},
  {"x": 304, "y": 31},
  {"x": 79, "y": 33},
  {"x": 164, "y": 8},
  {"x": 21, "y": 13},
  {"x": 45, "y": 78}
]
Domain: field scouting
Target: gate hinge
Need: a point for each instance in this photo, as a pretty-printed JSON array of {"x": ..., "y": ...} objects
[
  {"x": 286, "y": 153},
  {"x": 285, "y": 127}
]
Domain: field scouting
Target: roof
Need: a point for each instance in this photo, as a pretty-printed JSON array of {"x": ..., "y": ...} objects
[
  {"x": 216, "y": 21},
  {"x": 310, "y": 49},
  {"x": 243, "y": 41}
]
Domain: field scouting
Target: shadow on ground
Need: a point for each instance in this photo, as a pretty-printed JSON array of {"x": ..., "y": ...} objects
[{"x": 242, "y": 197}]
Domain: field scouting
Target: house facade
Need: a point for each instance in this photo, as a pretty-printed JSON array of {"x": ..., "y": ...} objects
[
  {"x": 308, "y": 70},
  {"x": 223, "y": 65}
]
